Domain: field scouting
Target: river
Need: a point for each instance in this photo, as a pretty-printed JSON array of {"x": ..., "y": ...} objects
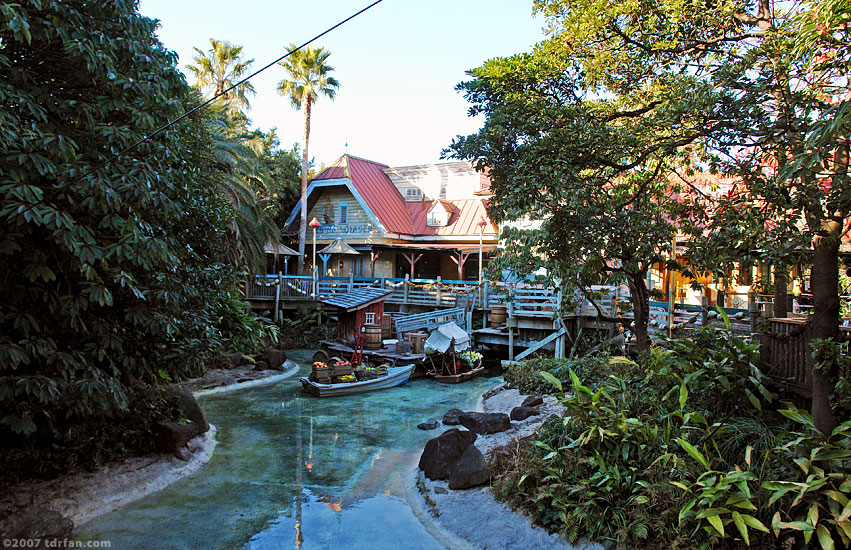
[{"x": 295, "y": 471}]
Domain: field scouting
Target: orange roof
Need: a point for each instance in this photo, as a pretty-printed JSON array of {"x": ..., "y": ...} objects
[
  {"x": 463, "y": 218},
  {"x": 376, "y": 189}
]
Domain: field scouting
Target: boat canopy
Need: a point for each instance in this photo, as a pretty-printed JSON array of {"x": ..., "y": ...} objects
[{"x": 442, "y": 337}]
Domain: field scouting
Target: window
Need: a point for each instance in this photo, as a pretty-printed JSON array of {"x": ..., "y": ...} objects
[
  {"x": 438, "y": 216},
  {"x": 413, "y": 194},
  {"x": 344, "y": 213},
  {"x": 369, "y": 318}
]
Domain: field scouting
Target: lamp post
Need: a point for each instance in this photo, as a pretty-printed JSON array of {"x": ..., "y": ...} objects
[
  {"x": 314, "y": 223},
  {"x": 482, "y": 224}
]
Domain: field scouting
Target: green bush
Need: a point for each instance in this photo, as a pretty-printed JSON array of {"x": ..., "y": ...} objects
[
  {"x": 93, "y": 440},
  {"x": 525, "y": 375},
  {"x": 111, "y": 269},
  {"x": 682, "y": 450}
]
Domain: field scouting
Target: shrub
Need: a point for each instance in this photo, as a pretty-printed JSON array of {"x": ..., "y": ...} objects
[
  {"x": 644, "y": 449},
  {"x": 525, "y": 375}
]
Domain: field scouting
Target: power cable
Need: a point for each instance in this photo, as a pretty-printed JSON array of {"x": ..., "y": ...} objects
[{"x": 198, "y": 107}]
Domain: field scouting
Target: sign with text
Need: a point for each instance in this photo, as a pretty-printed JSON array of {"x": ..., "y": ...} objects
[{"x": 340, "y": 229}]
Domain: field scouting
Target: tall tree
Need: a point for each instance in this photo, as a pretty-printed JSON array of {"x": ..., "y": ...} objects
[
  {"x": 739, "y": 89},
  {"x": 238, "y": 149},
  {"x": 108, "y": 277},
  {"x": 310, "y": 78},
  {"x": 218, "y": 69},
  {"x": 588, "y": 152}
]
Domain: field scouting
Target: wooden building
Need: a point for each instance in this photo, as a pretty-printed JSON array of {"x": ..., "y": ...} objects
[
  {"x": 357, "y": 309},
  {"x": 423, "y": 221}
]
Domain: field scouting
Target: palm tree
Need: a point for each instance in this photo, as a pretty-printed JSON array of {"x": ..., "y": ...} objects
[
  {"x": 239, "y": 161},
  {"x": 309, "y": 78},
  {"x": 218, "y": 69}
]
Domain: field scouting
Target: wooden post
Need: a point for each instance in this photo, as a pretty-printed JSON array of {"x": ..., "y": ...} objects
[
  {"x": 405, "y": 290},
  {"x": 510, "y": 328},
  {"x": 383, "y": 282},
  {"x": 704, "y": 310},
  {"x": 438, "y": 295},
  {"x": 753, "y": 311},
  {"x": 351, "y": 281},
  {"x": 277, "y": 300}
]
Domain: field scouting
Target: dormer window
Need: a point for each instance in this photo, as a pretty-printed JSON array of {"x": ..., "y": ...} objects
[
  {"x": 413, "y": 194},
  {"x": 438, "y": 216}
]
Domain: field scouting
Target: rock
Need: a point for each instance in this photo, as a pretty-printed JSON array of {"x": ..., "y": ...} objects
[
  {"x": 430, "y": 424},
  {"x": 23, "y": 498},
  {"x": 194, "y": 445},
  {"x": 485, "y": 423},
  {"x": 442, "y": 452},
  {"x": 236, "y": 359},
  {"x": 261, "y": 365},
  {"x": 532, "y": 401},
  {"x": 441, "y": 490},
  {"x": 493, "y": 391},
  {"x": 522, "y": 413},
  {"x": 38, "y": 524},
  {"x": 191, "y": 409},
  {"x": 171, "y": 435},
  {"x": 470, "y": 470},
  {"x": 451, "y": 417},
  {"x": 274, "y": 357},
  {"x": 183, "y": 454}
]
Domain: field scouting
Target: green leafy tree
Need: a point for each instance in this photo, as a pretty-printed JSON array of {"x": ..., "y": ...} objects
[
  {"x": 588, "y": 153},
  {"x": 111, "y": 277},
  {"x": 281, "y": 194},
  {"x": 244, "y": 178},
  {"x": 309, "y": 78},
  {"x": 786, "y": 141}
]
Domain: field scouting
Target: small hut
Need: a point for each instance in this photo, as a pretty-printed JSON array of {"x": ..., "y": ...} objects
[
  {"x": 359, "y": 308},
  {"x": 274, "y": 254},
  {"x": 337, "y": 247}
]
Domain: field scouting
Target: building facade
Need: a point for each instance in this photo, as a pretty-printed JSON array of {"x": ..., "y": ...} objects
[{"x": 424, "y": 221}]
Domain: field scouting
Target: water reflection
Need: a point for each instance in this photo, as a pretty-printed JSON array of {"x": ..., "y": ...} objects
[{"x": 294, "y": 471}]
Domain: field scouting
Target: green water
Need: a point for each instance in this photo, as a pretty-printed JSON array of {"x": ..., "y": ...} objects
[{"x": 295, "y": 471}]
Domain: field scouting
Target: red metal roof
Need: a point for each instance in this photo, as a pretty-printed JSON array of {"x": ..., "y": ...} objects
[
  {"x": 463, "y": 220},
  {"x": 379, "y": 193}
]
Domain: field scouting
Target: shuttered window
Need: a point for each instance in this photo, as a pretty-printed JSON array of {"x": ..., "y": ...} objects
[{"x": 344, "y": 214}]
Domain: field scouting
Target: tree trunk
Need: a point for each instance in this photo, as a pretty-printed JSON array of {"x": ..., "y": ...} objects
[
  {"x": 825, "y": 284},
  {"x": 302, "y": 228},
  {"x": 780, "y": 285},
  {"x": 640, "y": 298}
]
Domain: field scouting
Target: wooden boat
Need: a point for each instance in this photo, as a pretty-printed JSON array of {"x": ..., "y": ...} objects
[
  {"x": 457, "y": 378},
  {"x": 396, "y": 376}
]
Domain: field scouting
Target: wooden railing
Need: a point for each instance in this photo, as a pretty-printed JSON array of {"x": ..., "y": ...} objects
[{"x": 425, "y": 292}]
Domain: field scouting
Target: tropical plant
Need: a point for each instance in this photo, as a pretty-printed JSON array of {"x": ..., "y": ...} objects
[
  {"x": 239, "y": 158},
  {"x": 218, "y": 69},
  {"x": 111, "y": 279},
  {"x": 309, "y": 78},
  {"x": 239, "y": 151}
]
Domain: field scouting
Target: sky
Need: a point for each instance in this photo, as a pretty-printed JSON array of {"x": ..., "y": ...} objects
[{"x": 397, "y": 64}]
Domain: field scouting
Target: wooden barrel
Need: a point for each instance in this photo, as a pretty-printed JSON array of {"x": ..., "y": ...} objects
[
  {"x": 373, "y": 336},
  {"x": 498, "y": 316}
]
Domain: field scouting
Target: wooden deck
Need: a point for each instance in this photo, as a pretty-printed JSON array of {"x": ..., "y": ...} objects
[{"x": 533, "y": 322}]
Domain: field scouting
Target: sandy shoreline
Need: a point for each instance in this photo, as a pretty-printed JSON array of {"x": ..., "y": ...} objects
[
  {"x": 473, "y": 518},
  {"x": 83, "y": 496}
]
